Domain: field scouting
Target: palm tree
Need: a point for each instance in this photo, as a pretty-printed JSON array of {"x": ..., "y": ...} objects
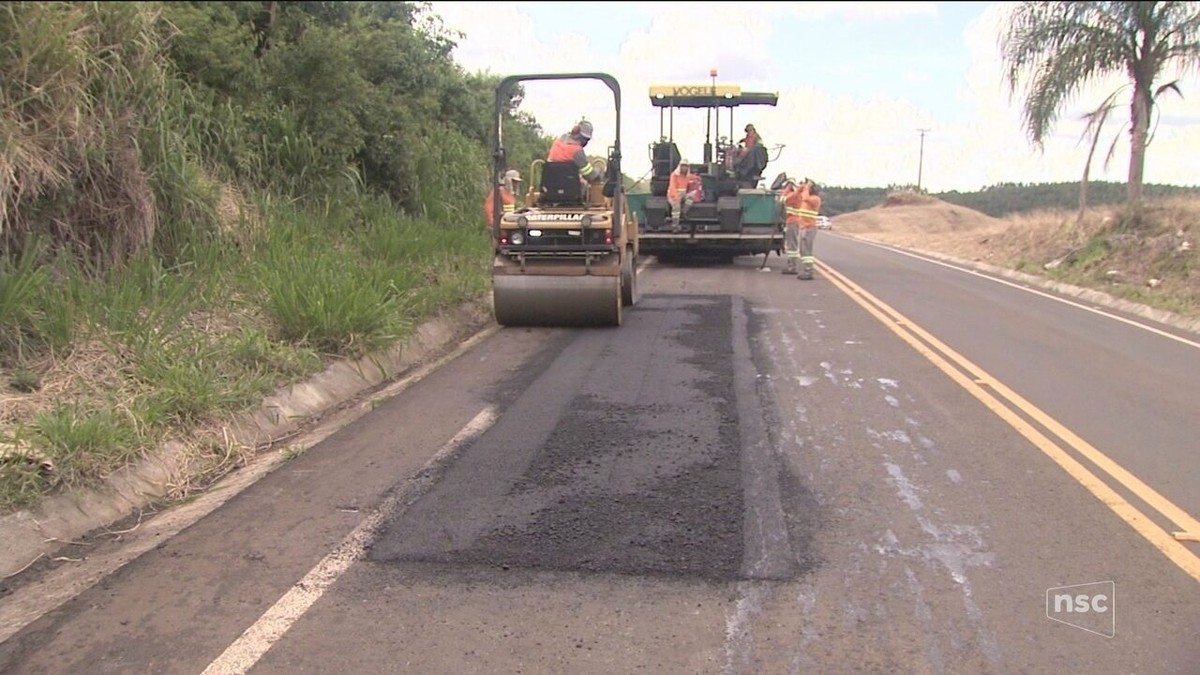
[
  {"x": 1095, "y": 123},
  {"x": 1063, "y": 45}
]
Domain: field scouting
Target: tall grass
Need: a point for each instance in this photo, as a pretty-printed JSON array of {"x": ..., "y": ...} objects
[
  {"x": 323, "y": 294},
  {"x": 21, "y": 278},
  {"x": 149, "y": 310},
  {"x": 79, "y": 82}
]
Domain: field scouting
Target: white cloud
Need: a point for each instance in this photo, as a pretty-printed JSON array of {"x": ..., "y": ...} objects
[
  {"x": 862, "y": 10},
  {"x": 837, "y": 140}
]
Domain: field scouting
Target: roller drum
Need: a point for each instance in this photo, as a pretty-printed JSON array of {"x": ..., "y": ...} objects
[{"x": 566, "y": 301}]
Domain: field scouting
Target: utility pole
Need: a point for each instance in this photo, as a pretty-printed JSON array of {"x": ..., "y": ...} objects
[
  {"x": 921, "y": 157},
  {"x": 708, "y": 153}
]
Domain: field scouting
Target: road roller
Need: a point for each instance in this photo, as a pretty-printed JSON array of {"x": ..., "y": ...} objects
[{"x": 568, "y": 256}]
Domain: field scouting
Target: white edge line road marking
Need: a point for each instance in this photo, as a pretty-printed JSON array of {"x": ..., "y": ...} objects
[
  {"x": 989, "y": 277},
  {"x": 30, "y": 603},
  {"x": 240, "y": 656}
]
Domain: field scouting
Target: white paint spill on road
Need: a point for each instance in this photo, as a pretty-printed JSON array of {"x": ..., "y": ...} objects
[
  {"x": 954, "y": 476},
  {"x": 829, "y": 374},
  {"x": 891, "y": 400},
  {"x": 888, "y": 383},
  {"x": 806, "y": 380},
  {"x": 954, "y": 547},
  {"x": 932, "y": 653},
  {"x": 739, "y": 657},
  {"x": 898, "y": 436},
  {"x": 241, "y": 656},
  {"x": 908, "y": 491}
]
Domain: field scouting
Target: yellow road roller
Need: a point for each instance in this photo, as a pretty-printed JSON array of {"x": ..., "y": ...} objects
[{"x": 568, "y": 257}]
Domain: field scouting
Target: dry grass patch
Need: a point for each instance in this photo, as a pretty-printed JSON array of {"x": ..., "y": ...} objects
[{"x": 1146, "y": 255}]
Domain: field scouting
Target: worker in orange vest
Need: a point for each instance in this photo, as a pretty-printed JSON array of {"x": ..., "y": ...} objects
[
  {"x": 569, "y": 148},
  {"x": 683, "y": 190},
  {"x": 744, "y": 146},
  {"x": 508, "y": 197},
  {"x": 751, "y": 138},
  {"x": 803, "y": 204}
]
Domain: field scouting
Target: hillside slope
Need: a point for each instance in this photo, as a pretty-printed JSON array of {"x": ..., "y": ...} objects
[{"x": 1148, "y": 256}]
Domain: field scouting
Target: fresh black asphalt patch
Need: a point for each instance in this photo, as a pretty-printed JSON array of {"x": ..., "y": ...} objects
[{"x": 573, "y": 479}]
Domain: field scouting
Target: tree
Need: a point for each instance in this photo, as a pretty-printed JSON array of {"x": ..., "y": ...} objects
[
  {"x": 1061, "y": 46},
  {"x": 1095, "y": 122}
]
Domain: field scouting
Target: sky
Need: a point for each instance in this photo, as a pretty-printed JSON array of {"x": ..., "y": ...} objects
[{"x": 857, "y": 82}]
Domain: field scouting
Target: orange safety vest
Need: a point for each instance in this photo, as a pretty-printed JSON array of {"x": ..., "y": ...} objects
[
  {"x": 508, "y": 204},
  {"x": 802, "y": 208},
  {"x": 566, "y": 149},
  {"x": 678, "y": 186}
]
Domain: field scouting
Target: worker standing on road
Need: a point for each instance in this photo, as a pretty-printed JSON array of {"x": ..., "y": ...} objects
[
  {"x": 803, "y": 204},
  {"x": 508, "y": 197},
  {"x": 809, "y": 208},
  {"x": 569, "y": 148},
  {"x": 791, "y": 228}
]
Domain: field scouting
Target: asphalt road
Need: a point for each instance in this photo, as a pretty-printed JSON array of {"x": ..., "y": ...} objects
[{"x": 896, "y": 467}]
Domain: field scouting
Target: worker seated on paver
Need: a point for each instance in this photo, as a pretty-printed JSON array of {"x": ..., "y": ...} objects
[{"x": 683, "y": 190}]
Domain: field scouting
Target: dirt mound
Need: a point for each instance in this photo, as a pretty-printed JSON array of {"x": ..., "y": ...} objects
[
  {"x": 907, "y": 199},
  {"x": 909, "y": 213}
]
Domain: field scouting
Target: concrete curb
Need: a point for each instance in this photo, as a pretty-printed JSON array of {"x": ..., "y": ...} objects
[
  {"x": 1090, "y": 295},
  {"x": 42, "y": 529}
]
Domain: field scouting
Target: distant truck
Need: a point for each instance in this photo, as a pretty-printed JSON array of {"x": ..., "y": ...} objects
[{"x": 738, "y": 216}]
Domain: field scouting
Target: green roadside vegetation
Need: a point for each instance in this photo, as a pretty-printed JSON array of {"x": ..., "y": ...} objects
[{"x": 203, "y": 201}]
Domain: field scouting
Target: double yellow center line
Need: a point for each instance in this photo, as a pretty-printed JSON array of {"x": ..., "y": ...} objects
[{"x": 998, "y": 398}]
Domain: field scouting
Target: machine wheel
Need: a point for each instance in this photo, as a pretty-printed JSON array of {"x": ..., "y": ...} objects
[
  {"x": 567, "y": 301},
  {"x": 629, "y": 288}
]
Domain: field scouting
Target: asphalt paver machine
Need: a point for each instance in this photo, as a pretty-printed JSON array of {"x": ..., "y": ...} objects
[{"x": 738, "y": 215}]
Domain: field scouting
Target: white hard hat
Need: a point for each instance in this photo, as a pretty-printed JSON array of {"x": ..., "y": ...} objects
[
  {"x": 585, "y": 129},
  {"x": 513, "y": 175}
]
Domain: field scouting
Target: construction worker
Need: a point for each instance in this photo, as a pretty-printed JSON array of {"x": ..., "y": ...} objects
[
  {"x": 803, "y": 205},
  {"x": 681, "y": 192},
  {"x": 751, "y": 139},
  {"x": 569, "y": 148},
  {"x": 751, "y": 156},
  {"x": 508, "y": 196}
]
